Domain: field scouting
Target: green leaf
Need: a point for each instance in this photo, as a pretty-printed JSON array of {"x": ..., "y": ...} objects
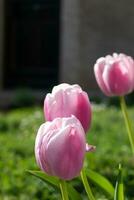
[
  {"x": 73, "y": 194},
  {"x": 119, "y": 191},
  {"x": 44, "y": 177},
  {"x": 101, "y": 181}
]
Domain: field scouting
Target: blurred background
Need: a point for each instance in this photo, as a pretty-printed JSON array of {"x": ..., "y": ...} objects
[{"x": 45, "y": 42}]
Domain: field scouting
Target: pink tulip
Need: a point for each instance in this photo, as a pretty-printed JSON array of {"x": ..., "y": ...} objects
[
  {"x": 66, "y": 100},
  {"x": 115, "y": 74},
  {"x": 60, "y": 147}
]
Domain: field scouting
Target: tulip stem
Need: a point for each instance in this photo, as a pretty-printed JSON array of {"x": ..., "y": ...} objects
[
  {"x": 86, "y": 185},
  {"x": 63, "y": 188},
  {"x": 127, "y": 122}
]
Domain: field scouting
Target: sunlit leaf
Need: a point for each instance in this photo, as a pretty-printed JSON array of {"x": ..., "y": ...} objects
[
  {"x": 44, "y": 177},
  {"x": 72, "y": 192},
  {"x": 119, "y": 191},
  {"x": 101, "y": 181}
]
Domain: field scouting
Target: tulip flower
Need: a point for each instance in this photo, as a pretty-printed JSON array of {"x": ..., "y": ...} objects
[
  {"x": 66, "y": 100},
  {"x": 115, "y": 74},
  {"x": 60, "y": 147}
]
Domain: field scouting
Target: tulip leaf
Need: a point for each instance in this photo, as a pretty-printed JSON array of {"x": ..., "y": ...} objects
[
  {"x": 119, "y": 191},
  {"x": 54, "y": 181},
  {"x": 44, "y": 177},
  {"x": 100, "y": 181},
  {"x": 72, "y": 192}
]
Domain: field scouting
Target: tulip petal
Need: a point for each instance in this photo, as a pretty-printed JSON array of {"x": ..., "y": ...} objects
[
  {"x": 67, "y": 100},
  {"x": 90, "y": 148},
  {"x": 117, "y": 78},
  {"x": 115, "y": 74},
  {"x": 64, "y": 161},
  {"x": 60, "y": 147},
  {"x": 98, "y": 70}
]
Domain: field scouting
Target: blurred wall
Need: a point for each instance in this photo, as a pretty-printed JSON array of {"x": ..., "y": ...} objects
[
  {"x": 1, "y": 40},
  {"x": 91, "y": 29}
]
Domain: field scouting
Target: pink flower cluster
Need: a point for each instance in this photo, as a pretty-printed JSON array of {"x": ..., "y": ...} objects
[{"x": 60, "y": 144}]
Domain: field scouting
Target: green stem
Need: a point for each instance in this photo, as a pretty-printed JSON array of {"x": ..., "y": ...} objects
[
  {"x": 86, "y": 185},
  {"x": 127, "y": 122},
  {"x": 63, "y": 188}
]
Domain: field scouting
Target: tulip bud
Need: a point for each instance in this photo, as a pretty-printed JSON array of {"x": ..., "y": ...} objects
[
  {"x": 60, "y": 147},
  {"x": 115, "y": 74},
  {"x": 66, "y": 100}
]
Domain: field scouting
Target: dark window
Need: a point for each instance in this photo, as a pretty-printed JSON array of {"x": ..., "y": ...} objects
[{"x": 32, "y": 43}]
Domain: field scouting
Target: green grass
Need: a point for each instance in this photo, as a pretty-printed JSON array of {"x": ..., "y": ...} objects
[
  {"x": 108, "y": 133},
  {"x": 18, "y": 129}
]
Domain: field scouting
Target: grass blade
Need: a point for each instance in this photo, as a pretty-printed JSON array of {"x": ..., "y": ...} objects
[
  {"x": 54, "y": 181},
  {"x": 100, "y": 181},
  {"x": 44, "y": 177},
  {"x": 72, "y": 192},
  {"x": 119, "y": 191}
]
